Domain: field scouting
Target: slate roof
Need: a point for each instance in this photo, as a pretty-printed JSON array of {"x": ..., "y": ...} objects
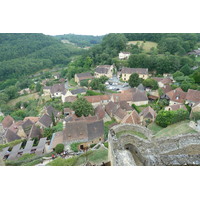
[
  {"x": 100, "y": 112},
  {"x": 78, "y": 91},
  {"x": 103, "y": 69},
  {"x": 46, "y": 120},
  {"x": 58, "y": 88},
  {"x": 126, "y": 70},
  {"x": 83, "y": 130},
  {"x": 193, "y": 95},
  {"x": 15, "y": 127},
  {"x": 11, "y": 136},
  {"x": 27, "y": 126},
  {"x": 83, "y": 76},
  {"x": 51, "y": 110},
  {"x": 35, "y": 132},
  {"x": 7, "y": 121}
]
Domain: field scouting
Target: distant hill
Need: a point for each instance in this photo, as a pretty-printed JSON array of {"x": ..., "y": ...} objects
[
  {"x": 26, "y": 53},
  {"x": 80, "y": 40}
]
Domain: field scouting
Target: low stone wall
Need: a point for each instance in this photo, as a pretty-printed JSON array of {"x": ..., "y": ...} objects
[{"x": 178, "y": 150}]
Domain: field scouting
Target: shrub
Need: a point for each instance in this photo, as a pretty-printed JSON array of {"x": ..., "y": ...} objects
[
  {"x": 136, "y": 108},
  {"x": 92, "y": 145},
  {"x": 74, "y": 147},
  {"x": 165, "y": 118},
  {"x": 106, "y": 144},
  {"x": 59, "y": 148}
]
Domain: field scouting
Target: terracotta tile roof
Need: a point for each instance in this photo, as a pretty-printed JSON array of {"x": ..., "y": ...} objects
[
  {"x": 100, "y": 112},
  {"x": 139, "y": 96},
  {"x": 7, "y": 121},
  {"x": 126, "y": 70},
  {"x": 120, "y": 113},
  {"x": 125, "y": 106},
  {"x": 148, "y": 112},
  {"x": 132, "y": 118},
  {"x": 166, "y": 89},
  {"x": 15, "y": 127},
  {"x": 193, "y": 95},
  {"x": 177, "y": 95},
  {"x": 111, "y": 108},
  {"x": 127, "y": 96},
  {"x": 33, "y": 119},
  {"x": 97, "y": 98},
  {"x": 177, "y": 107}
]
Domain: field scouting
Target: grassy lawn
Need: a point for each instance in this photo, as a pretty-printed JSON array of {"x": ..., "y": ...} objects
[
  {"x": 147, "y": 45},
  {"x": 197, "y": 59},
  {"x": 141, "y": 135},
  {"x": 175, "y": 129},
  {"x": 95, "y": 157},
  {"x": 24, "y": 98},
  {"x": 154, "y": 127}
]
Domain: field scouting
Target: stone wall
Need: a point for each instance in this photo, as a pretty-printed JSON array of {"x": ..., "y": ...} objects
[{"x": 177, "y": 150}]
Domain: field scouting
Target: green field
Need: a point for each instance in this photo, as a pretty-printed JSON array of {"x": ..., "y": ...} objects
[
  {"x": 146, "y": 45},
  {"x": 174, "y": 129},
  {"x": 24, "y": 98}
]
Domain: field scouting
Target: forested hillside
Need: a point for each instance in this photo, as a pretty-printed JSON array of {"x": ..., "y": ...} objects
[
  {"x": 24, "y": 54},
  {"x": 81, "y": 40}
]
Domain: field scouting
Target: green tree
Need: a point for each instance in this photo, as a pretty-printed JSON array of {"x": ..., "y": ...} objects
[
  {"x": 82, "y": 107},
  {"x": 186, "y": 70},
  {"x": 134, "y": 80},
  {"x": 59, "y": 148},
  {"x": 150, "y": 83}
]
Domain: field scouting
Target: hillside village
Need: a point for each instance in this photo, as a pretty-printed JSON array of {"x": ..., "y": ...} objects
[{"x": 79, "y": 112}]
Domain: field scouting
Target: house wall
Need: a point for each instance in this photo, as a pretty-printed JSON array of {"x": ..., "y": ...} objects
[
  {"x": 76, "y": 79},
  {"x": 125, "y": 77},
  {"x": 46, "y": 92},
  {"x": 21, "y": 133},
  {"x": 140, "y": 103},
  {"x": 173, "y": 103},
  {"x": 109, "y": 74}
]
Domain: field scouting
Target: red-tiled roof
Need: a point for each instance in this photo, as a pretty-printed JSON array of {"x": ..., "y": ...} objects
[
  {"x": 7, "y": 121},
  {"x": 177, "y": 95},
  {"x": 193, "y": 95}
]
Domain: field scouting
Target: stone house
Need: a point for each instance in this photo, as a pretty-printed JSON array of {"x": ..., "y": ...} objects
[
  {"x": 69, "y": 99},
  {"x": 131, "y": 118},
  {"x": 162, "y": 82},
  {"x": 196, "y": 52},
  {"x": 175, "y": 107},
  {"x": 47, "y": 91},
  {"x": 192, "y": 97},
  {"x": 98, "y": 100},
  {"x": 124, "y": 55},
  {"x": 148, "y": 114},
  {"x": 7, "y": 122},
  {"x": 83, "y": 76},
  {"x": 104, "y": 70},
  {"x": 57, "y": 90},
  {"x": 126, "y": 73},
  {"x": 25, "y": 91},
  {"x": 83, "y": 132},
  {"x": 45, "y": 122},
  {"x": 195, "y": 109},
  {"x": 73, "y": 93},
  {"x": 176, "y": 96}
]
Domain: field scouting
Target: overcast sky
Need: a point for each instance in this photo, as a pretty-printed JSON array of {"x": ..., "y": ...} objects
[{"x": 98, "y": 17}]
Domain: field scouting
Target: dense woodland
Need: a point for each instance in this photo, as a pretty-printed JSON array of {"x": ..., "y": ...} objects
[{"x": 81, "y": 40}]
